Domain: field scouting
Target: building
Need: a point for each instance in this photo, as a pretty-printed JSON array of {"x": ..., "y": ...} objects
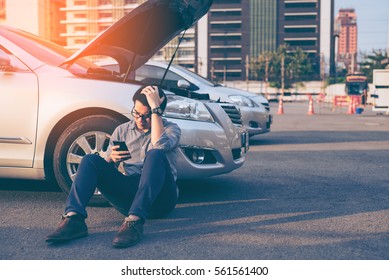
[
  {"x": 228, "y": 39},
  {"x": 263, "y": 27},
  {"x": 219, "y": 47},
  {"x": 85, "y": 19},
  {"x": 40, "y": 17},
  {"x": 347, "y": 30},
  {"x": 2, "y": 11},
  {"x": 299, "y": 26},
  {"x": 240, "y": 30}
]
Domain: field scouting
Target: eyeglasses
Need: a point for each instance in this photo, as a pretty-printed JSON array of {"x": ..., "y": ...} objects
[{"x": 138, "y": 115}]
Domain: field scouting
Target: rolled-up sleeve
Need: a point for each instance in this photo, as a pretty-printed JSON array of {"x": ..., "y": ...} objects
[{"x": 169, "y": 139}]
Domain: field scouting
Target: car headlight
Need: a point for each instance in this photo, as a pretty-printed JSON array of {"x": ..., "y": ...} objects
[
  {"x": 241, "y": 100},
  {"x": 184, "y": 108}
]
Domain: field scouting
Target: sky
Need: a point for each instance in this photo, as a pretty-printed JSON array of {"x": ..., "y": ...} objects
[{"x": 372, "y": 21}]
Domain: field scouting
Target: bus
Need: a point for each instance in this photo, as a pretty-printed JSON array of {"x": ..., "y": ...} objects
[{"x": 357, "y": 85}]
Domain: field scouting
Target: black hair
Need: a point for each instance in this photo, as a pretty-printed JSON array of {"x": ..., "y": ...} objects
[{"x": 142, "y": 98}]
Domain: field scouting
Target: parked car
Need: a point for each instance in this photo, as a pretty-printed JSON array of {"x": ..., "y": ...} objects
[
  {"x": 255, "y": 109},
  {"x": 52, "y": 116}
]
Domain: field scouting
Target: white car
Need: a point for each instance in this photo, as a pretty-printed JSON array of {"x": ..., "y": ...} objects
[
  {"x": 255, "y": 109},
  {"x": 52, "y": 116}
]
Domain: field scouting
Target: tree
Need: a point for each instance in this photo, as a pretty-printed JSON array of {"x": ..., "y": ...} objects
[
  {"x": 297, "y": 66},
  {"x": 378, "y": 59}
]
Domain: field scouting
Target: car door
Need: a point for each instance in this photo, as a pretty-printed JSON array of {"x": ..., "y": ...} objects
[{"x": 18, "y": 112}]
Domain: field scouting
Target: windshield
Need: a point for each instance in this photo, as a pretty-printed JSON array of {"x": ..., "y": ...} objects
[
  {"x": 195, "y": 76},
  {"x": 355, "y": 88},
  {"x": 46, "y": 51}
]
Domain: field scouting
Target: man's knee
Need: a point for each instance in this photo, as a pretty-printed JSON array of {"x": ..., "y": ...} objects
[
  {"x": 91, "y": 160},
  {"x": 156, "y": 154}
]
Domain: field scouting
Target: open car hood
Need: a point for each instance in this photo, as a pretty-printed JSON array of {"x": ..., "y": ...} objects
[{"x": 137, "y": 36}]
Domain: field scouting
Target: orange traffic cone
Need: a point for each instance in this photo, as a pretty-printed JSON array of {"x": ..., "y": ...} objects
[
  {"x": 280, "y": 107},
  {"x": 354, "y": 104},
  {"x": 351, "y": 107},
  {"x": 310, "y": 108}
]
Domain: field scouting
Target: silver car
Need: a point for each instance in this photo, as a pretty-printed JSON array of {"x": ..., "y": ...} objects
[
  {"x": 255, "y": 109},
  {"x": 52, "y": 116}
]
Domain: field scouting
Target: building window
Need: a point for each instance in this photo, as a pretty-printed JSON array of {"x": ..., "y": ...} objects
[
  {"x": 300, "y": 30},
  {"x": 103, "y": 27},
  {"x": 307, "y": 5},
  {"x": 79, "y": 3},
  {"x": 128, "y": 2},
  {"x": 225, "y": 50},
  {"x": 227, "y": 2},
  {"x": 105, "y": 15},
  {"x": 80, "y": 41},
  {"x": 301, "y": 43},
  {"x": 185, "y": 53},
  {"x": 300, "y": 17},
  {"x": 105, "y": 2},
  {"x": 80, "y": 28},
  {"x": 225, "y": 25},
  {"x": 79, "y": 15},
  {"x": 226, "y": 13},
  {"x": 226, "y": 38}
]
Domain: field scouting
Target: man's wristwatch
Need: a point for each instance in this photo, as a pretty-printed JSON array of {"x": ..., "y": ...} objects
[{"x": 157, "y": 111}]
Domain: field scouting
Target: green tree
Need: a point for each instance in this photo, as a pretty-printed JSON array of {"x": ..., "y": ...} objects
[
  {"x": 378, "y": 59},
  {"x": 297, "y": 66}
]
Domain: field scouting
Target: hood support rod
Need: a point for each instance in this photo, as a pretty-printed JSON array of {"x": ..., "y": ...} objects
[{"x": 172, "y": 58}]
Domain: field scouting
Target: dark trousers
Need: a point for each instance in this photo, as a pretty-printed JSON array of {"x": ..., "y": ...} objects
[{"x": 152, "y": 194}]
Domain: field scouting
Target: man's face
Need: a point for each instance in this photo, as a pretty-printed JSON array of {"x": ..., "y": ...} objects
[{"x": 142, "y": 116}]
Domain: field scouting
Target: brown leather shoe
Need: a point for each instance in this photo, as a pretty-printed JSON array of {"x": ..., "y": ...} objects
[
  {"x": 70, "y": 227},
  {"x": 129, "y": 234}
]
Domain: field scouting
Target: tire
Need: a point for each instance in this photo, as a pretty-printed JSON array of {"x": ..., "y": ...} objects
[{"x": 78, "y": 140}]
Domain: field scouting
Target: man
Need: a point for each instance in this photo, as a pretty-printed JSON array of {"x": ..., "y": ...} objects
[{"x": 146, "y": 188}]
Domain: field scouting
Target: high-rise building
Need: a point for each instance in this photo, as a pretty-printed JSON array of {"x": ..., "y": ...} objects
[
  {"x": 244, "y": 29},
  {"x": 299, "y": 27},
  {"x": 263, "y": 26},
  {"x": 40, "y": 17},
  {"x": 85, "y": 19},
  {"x": 228, "y": 39},
  {"x": 239, "y": 30},
  {"x": 2, "y": 11},
  {"x": 347, "y": 30}
]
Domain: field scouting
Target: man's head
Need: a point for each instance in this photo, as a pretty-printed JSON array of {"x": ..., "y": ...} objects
[
  {"x": 142, "y": 110},
  {"x": 139, "y": 96}
]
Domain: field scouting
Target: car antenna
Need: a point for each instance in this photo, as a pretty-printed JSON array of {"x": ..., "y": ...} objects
[{"x": 171, "y": 59}]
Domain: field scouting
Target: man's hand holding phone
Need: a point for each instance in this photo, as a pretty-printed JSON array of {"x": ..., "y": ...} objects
[{"x": 120, "y": 151}]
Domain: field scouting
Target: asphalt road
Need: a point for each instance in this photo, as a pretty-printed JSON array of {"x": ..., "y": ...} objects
[{"x": 316, "y": 187}]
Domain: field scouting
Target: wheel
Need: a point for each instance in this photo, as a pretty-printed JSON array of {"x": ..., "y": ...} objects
[{"x": 86, "y": 136}]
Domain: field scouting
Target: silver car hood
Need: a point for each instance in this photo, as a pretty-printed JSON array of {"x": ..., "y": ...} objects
[
  {"x": 137, "y": 36},
  {"x": 235, "y": 91}
]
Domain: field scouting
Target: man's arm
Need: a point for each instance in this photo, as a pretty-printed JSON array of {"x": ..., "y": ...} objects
[
  {"x": 152, "y": 95},
  {"x": 170, "y": 137}
]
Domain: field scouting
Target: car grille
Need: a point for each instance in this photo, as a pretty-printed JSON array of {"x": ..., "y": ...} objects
[{"x": 233, "y": 112}]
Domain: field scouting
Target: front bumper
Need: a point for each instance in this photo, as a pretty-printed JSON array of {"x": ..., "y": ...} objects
[{"x": 205, "y": 150}]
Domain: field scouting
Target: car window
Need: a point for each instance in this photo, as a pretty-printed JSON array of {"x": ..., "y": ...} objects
[
  {"x": 148, "y": 74},
  {"x": 195, "y": 76}
]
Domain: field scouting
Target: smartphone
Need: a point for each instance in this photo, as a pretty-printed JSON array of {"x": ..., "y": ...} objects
[{"x": 122, "y": 146}]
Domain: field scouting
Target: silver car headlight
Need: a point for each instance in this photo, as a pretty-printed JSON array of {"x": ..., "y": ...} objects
[
  {"x": 184, "y": 108},
  {"x": 241, "y": 100}
]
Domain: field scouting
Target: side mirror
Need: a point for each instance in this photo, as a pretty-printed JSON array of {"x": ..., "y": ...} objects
[
  {"x": 5, "y": 62},
  {"x": 183, "y": 84}
]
